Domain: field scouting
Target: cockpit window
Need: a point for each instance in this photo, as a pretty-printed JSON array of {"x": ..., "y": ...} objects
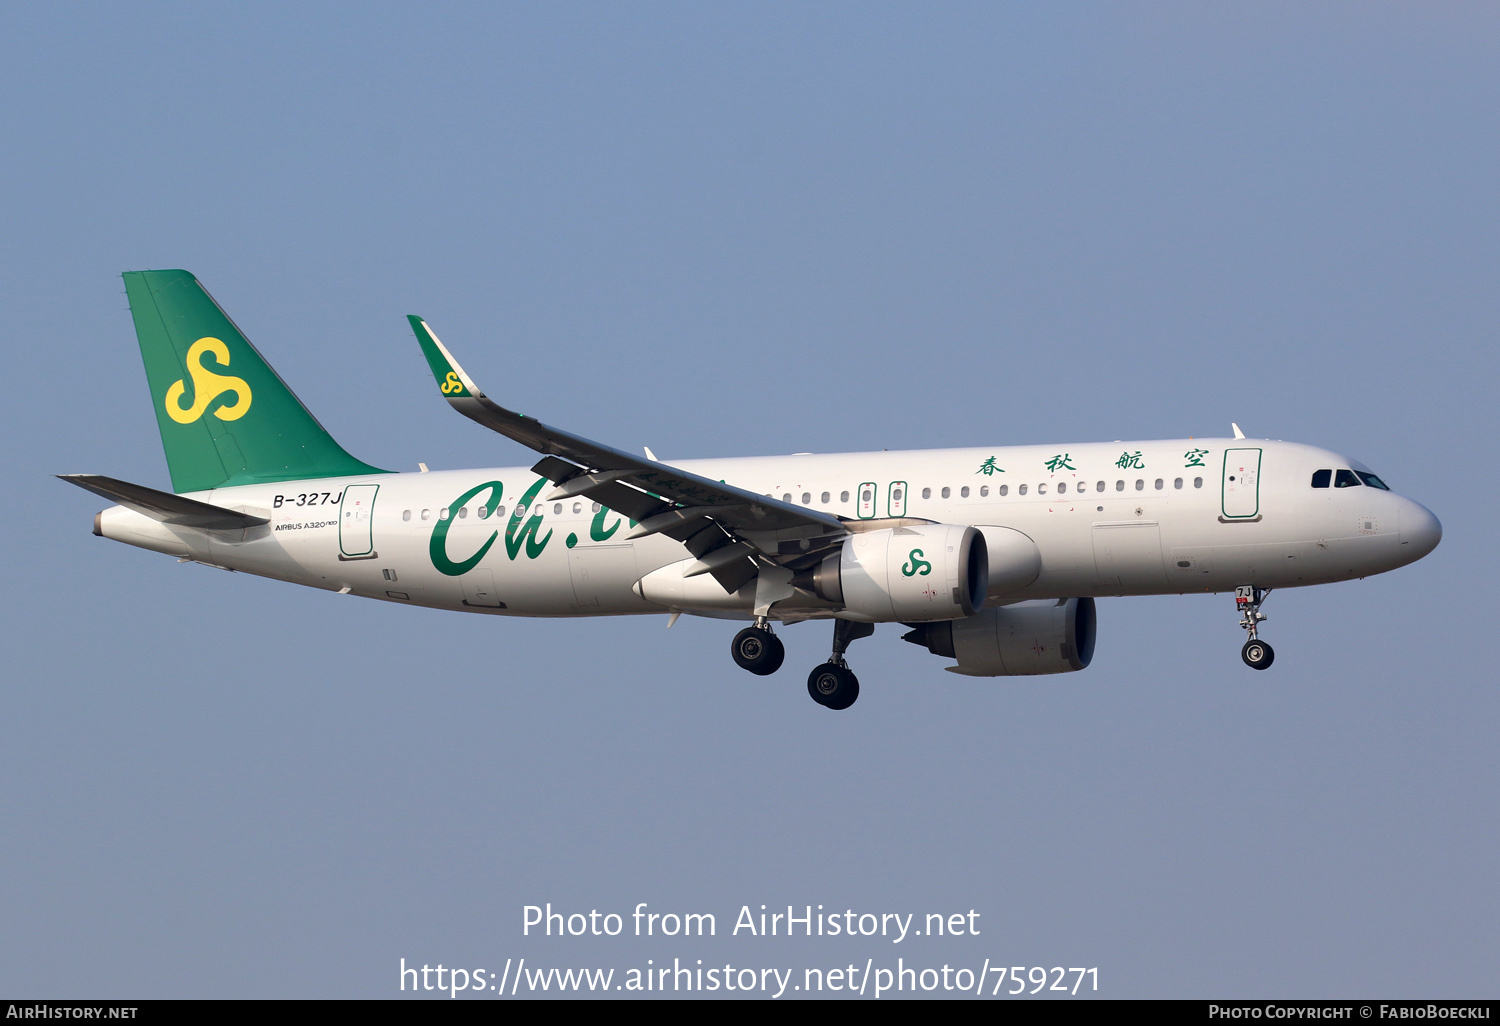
[
  {"x": 1345, "y": 479},
  {"x": 1372, "y": 481},
  {"x": 1321, "y": 478}
]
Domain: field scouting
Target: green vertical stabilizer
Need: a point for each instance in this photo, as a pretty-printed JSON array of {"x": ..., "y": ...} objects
[{"x": 226, "y": 417}]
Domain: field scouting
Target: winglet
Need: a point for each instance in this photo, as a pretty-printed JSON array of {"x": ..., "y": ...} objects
[{"x": 450, "y": 376}]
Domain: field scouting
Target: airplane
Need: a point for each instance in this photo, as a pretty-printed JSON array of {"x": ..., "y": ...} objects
[{"x": 991, "y": 557}]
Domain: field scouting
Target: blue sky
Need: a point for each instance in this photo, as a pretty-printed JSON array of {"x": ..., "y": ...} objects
[{"x": 734, "y": 230}]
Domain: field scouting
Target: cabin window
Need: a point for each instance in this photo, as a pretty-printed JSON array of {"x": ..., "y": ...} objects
[
  {"x": 1197, "y": 482},
  {"x": 1177, "y": 484},
  {"x": 984, "y": 491},
  {"x": 483, "y": 512},
  {"x": 1004, "y": 489},
  {"x": 1159, "y": 483},
  {"x": 865, "y": 495},
  {"x": 947, "y": 491},
  {"x": 1062, "y": 486},
  {"x": 1021, "y": 490},
  {"x": 596, "y": 508},
  {"x": 1140, "y": 484},
  {"x": 1345, "y": 479},
  {"x": 1099, "y": 487},
  {"x": 463, "y": 512},
  {"x": 406, "y": 514},
  {"x": 786, "y": 496},
  {"x": 963, "y": 493},
  {"x": 824, "y": 499},
  {"x": 427, "y": 514},
  {"x": 577, "y": 507},
  {"x": 499, "y": 511},
  {"x": 896, "y": 495},
  {"x": 1119, "y": 486},
  {"x": 1322, "y": 478},
  {"x": 1041, "y": 489},
  {"x": 843, "y": 496},
  {"x": 1372, "y": 481},
  {"x": 926, "y": 493},
  {"x": 443, "y": 513},
  {"x": 807, "y": 498}
]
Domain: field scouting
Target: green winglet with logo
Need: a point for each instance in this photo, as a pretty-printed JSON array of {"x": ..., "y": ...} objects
[
  {"x": 226, "y": 417},
  {"x": 450, "y": 376}
]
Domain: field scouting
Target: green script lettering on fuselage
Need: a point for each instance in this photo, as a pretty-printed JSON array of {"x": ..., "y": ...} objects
[
  {"x": 437, "y": 548},
  {"x": 513, "y": 538},
  {"x": 518, "y": 532}
]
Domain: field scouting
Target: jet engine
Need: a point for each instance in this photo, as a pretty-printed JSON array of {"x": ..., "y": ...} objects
[
  {"x": 1040, "y": 636},
  {"x": 1015, "y": 561},
  {"x": 916, "y": 573}
]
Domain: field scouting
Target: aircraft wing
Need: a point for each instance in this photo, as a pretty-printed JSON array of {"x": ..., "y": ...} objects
[
  {"x": 728, "y": 529},
  {"x": 177, "y": 510}
]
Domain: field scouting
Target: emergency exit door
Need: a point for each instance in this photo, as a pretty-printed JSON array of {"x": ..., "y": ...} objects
[{"x": 896, "y": 505}]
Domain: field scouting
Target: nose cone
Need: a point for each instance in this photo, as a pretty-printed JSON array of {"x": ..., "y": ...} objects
[{"x": 1420, "y": 531}]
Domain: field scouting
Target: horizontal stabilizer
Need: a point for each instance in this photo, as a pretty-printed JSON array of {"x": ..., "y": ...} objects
[{"x": 175, "y": 510}]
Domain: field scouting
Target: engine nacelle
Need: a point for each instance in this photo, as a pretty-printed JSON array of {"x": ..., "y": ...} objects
[
  {"x": 1040, "y": 636},
  {"x": 922, "y": 572},
  {"x": 1015, "y": 561}
]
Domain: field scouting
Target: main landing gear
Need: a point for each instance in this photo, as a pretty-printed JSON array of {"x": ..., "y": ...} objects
[
  {"x": 1257, "y": 654},
  {"x": 758, "y": 650},
  {"x": 831, "y": 684}
]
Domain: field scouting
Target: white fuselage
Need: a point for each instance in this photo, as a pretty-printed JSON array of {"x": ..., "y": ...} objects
[{"x": 1134, "y": 518}]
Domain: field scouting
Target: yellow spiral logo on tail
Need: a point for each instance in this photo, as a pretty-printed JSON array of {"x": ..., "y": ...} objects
[{"x": 208, "y": 386}]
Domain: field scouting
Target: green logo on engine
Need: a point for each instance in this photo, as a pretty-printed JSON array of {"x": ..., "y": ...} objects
[{"x": 917, "y": 565}]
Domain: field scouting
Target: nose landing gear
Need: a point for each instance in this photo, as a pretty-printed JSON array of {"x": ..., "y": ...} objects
[
  {"x": 1257, "y": 654},
  {"x": 758, "y": 650},
  {"x": 832, "y": 684}
]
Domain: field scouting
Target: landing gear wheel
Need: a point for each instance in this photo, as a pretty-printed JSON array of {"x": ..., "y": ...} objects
[
  {"x": 758, "y": 650},
  {"x": 833, "y": 686},
  {"x": 1248, "y": 598},
  {"x": 1257, "y": 654}
]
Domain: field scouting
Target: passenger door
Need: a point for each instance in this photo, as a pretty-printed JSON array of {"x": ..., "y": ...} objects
[
  {"x": 356, "y": 525},
  {"x": 1241, "y": 484}
]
